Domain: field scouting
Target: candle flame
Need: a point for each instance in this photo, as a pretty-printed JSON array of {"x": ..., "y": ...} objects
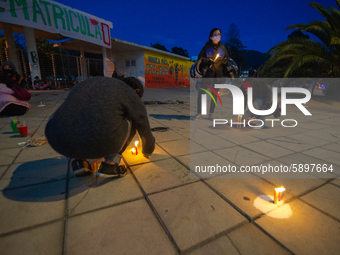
[
  {"x": 281, "y": 189},
  {"x": 136, "y": 143},
  {"x": 133, "y": 150},
  {"x": 217, "y": 56}
]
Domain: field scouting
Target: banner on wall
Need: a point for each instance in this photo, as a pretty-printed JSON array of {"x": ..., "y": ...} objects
[
  {"x": 54, "y": 17},
  {"x": 166, "y": 71}
]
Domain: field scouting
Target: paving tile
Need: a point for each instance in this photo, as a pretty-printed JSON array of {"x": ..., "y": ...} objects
[
  {"x": 332, "y": 147},
  {"x": 194, "y": 213},
  {"x": 268, "y": 149},
  {"x": 185, "y": 159},
  {"x": 306, "y": 231},
  {"x": 336, "y": 181},
  {"x": 297, "y": 186},
  {"x": 326, "y": 198},
  {"x": 130, "y": 228},
  {"x": 37, "y": 153},
  {"x": 314, "y": 125},
  {"x": 2, "y": 170},
  {"x": 308, "y": 162},
  {"x": 166, "y": 136},
  {"x": 298, "y": 142},
  {"x": 222, "y": 245},
  {"x": 278, "y": 130},
  {"x": 262, "y": 135},
  {"x": 244, "y": 191},
  {"x": 8, "y": 155},
  {"x": 241, "y": 156},
  {"x": 329, "y": 134},
  {"x": 326, "y": 155},
  {"x": 161, "y": 175},
  {"x": 91, "y": 192},
  {"x": 41, "y": 129},
  {"x": 36, "y": 204},
  {"x": 34, "y": 172},
  {"x": 12, "y": 141},
  {"x": 238, "y": 137},
  {"x": 208, "y": 164},
  {"x": 209, "y": 141},
  {"x": 158, "y": 154},
  {"x": 331, "y": 121},
  {"x": 248, "y": 239},
  {"x": 207, "y": 126},
  {"x": 181, "y": 147},
  {"x": 42, "y": 240}
]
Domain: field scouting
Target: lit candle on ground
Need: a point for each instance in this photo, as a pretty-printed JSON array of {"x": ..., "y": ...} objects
[
  {"x": 134, "y": 151},
  {"x": 278, "y": 194},
  {"x": 239, "y": 119}
]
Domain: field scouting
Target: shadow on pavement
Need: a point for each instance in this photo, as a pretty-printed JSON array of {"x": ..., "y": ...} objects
[
  {"x": 169, "y": 117},
  {"x": 45, "y": 181}
]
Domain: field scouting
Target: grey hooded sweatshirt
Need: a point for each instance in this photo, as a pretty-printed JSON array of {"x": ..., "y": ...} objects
[{"x": 92, "y": 122}]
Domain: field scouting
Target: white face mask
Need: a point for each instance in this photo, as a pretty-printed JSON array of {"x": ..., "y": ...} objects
[{"x": 216, "y": 38}]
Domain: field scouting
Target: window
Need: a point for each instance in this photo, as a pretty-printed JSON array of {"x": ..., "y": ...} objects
[
  {"x": 127, "y": 63},
  {"x": 133, "y": 62}
]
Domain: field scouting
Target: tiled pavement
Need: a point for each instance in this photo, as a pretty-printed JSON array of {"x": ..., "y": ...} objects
[{"x": 158, "y": 208}]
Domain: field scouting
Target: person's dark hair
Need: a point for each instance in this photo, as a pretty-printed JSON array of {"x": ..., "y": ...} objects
[
  {"x": 135, "y": 84},
  {"x": 212, "y": 32}
]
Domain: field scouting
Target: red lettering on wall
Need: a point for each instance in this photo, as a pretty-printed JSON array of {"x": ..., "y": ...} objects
[{"x": 106, "y": 34}]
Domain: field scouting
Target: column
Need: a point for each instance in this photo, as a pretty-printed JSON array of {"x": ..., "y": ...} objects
[
  {"x": 11, "y": 47},
  {"x": 83, "y": 65},
  {"x": 105, "y": 62},
  {"x": 32, "y": 52}
]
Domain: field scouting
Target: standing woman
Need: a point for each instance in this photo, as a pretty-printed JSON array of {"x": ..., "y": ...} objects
[{"x": 211, "y": 67}]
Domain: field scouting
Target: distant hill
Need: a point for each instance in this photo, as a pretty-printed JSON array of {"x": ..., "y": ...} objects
[{"x": 253, "y": 58}]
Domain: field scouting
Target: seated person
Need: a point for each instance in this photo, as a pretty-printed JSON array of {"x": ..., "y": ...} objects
[
  {"x": 98, "y": 119},
  {"x": 12, "y": 101},
  {"x": 9, "y": 72},
  {"x": 39, "y": 84}
]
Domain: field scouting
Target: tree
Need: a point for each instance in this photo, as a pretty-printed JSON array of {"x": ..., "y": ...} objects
[
  {"x": 158, "y": 46},
  {"x": 304, "y": 55},
  {"x": 297, "y": 33},
  {"x": 180, "y": 51},
  {"x": 234, "y": 44}
]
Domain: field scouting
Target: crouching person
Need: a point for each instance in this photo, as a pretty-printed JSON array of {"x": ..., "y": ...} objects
[{"x": 98, "y": 119}]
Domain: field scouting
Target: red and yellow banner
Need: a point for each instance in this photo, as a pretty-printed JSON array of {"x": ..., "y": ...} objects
[{"x": 162, "y": 70}]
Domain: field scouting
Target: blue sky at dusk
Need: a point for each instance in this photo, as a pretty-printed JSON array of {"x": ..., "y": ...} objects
[{"x": 187, "y": 24}]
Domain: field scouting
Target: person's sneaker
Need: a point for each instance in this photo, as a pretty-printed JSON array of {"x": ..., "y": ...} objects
[
  {"x": 108, "y": 171},
  {"x": 81, "y": 168},
  {"x": 211, "y": 116}
]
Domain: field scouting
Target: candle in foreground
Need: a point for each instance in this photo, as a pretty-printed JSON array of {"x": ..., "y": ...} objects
[
  {"x": 278, "y": 194},
  {"x": 134, "y": 150},
  {"x": 136, "y": 143}
]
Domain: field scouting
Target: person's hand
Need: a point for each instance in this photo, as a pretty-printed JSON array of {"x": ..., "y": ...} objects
[
  {"x": 205, "y": 63},
  {"x": 209, "y": 62}
]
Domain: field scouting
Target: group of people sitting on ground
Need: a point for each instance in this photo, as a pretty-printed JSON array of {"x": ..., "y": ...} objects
[
  {"x": 13, "y": 97},
  {"x": 39, "y": 84}
]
